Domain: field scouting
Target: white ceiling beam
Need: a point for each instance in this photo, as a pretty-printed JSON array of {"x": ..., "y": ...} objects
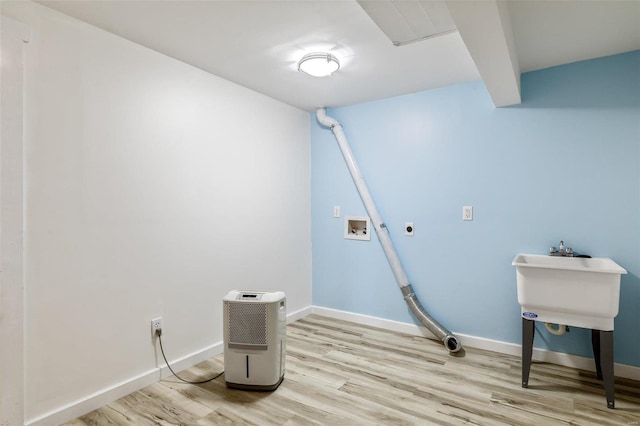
[{"x": 485, "y": 28}]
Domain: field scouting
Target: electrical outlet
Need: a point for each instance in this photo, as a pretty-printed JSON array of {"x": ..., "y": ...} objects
[
  {"x": 156, "y": 325},
  {"x": 467, "y": 213},
  {"x": 408, "y": 229}
]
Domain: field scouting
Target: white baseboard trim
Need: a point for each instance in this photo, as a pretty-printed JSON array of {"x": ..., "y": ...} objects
[
  {"x": 104, "y": 396},
  {"x": 542, "y": 355},
  {"x": 109, "y": 394},
  {"x": 98, "y": 399},
  {"x": 295, "y": 316},
  {"x": 190, "y": 360}
]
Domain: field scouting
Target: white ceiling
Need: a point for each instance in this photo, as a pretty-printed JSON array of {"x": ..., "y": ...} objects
[{"x": 257, "y": 43}]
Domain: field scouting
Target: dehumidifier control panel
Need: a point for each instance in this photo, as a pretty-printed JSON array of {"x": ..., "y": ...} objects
[{"x": 249, "y": 296}]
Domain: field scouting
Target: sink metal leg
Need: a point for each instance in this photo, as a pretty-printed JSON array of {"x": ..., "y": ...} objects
[
  {"x": 602, "y": 342},
  {"x": 606, "y": 358},
  {"x": 528, "y": 332},
  {"x": 595, "y": 343}
]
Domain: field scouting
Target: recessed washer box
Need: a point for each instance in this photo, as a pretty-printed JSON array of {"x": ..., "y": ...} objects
[{"x": 357, "y": 228}]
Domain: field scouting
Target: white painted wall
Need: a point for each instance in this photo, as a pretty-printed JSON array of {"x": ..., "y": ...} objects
[
  {"x": 152, "y": 189},
  {"x": 14, "y": 36}
]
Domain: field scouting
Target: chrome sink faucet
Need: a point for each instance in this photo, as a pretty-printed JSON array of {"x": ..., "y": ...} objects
[{"x": 561, "y": 250}]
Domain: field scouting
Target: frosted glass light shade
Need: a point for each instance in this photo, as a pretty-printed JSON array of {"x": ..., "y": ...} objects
[{"x": 319, "y": 64}]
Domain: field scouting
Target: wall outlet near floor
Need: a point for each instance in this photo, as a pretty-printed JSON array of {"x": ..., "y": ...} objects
[{"x": 156, "y": 326}]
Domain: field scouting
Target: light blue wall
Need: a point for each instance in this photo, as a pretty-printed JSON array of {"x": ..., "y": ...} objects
[{"x": 565, "y": 164}]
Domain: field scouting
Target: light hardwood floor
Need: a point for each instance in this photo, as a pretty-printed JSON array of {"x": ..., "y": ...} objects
[{"x": 341, "y": 373}]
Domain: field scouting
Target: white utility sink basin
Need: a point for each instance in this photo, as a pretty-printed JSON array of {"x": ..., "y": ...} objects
[{"x": 583, "y": 292}]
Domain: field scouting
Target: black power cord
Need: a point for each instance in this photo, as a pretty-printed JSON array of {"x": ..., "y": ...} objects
[{"x": 159, "y": 334}]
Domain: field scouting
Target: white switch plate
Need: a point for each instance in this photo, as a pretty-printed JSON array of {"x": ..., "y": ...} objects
[
  {"x": 336, "y": 211},
  {"x": 467, "y": 212}
]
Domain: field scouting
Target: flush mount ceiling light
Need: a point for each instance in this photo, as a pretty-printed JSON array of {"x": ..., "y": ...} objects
[{"x": 319, "y": 64}]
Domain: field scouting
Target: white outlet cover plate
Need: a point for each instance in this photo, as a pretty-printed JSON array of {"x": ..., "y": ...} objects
[
  {"x": 156, "y": 323},
  {"x": 467, "y": 212},
  {"x": 406, "y": 229}
]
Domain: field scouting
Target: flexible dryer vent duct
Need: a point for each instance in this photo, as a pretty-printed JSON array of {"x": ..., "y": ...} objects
[{"x": 448, "y": 339}]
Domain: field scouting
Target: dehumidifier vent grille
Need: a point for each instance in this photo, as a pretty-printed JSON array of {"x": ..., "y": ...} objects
[{"x": 247, "y": 325}]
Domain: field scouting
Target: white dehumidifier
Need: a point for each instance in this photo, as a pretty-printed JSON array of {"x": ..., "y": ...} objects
[{"x": 254, "y": 339}]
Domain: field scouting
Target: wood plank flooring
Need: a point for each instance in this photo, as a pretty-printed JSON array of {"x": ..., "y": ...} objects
[{"x": 341, "y": 373}]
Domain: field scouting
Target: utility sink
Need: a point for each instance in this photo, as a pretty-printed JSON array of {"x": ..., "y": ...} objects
[{"x": 582, "y": 292}]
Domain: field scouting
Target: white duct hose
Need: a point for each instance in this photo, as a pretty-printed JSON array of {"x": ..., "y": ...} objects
[
  {"x": 556, "y": 331},
  {"x": 448, "y": 339}
]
